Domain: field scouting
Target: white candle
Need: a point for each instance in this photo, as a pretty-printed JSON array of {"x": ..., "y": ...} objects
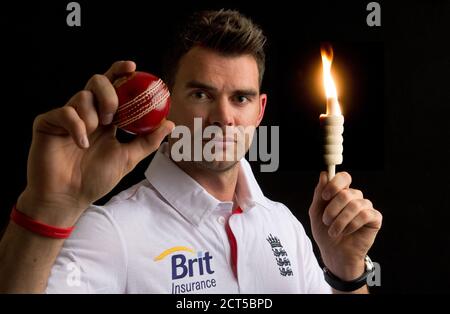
[{"x": 333, "y": 121}]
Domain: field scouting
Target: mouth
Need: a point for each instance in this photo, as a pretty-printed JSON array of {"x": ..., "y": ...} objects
[{"x": 221, "y": 144}]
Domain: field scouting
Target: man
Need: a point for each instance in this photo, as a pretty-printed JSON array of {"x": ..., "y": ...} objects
[{"x": 189, "y": 226}]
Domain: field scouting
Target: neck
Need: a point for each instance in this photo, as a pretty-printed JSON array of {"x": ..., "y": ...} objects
[{"x": 220, "y": 184}]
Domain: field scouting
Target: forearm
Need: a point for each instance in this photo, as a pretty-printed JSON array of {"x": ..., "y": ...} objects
[{"x": 26, "y": 260}]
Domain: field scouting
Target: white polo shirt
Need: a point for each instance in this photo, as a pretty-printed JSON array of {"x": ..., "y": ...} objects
[{"x": 166, "y": 234}]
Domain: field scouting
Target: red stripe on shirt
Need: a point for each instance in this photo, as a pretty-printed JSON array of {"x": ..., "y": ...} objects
[{"x": 232, "y": 241}]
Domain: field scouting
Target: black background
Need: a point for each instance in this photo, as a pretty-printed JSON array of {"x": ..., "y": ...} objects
[{"x": 393, "y": 83}]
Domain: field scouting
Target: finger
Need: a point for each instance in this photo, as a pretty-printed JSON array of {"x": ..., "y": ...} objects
[
  {"x": 341, "y": 180},
  {"x": 106, "y": 97},
  {"x": 370, "y": 218},
  {"x": 338, "y": 203},
  {"x": 120, "y": 68},
  {"x": 83, "y": 102},
  {"x": 63, "y": 121},
  {"x": 347, "y": 215},
  {"x": 318, "y": 204},
  {"x": 144, "y": 145}
]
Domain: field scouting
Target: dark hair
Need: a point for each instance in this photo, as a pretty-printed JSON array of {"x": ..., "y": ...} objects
[{"x": 225, "y": 31}]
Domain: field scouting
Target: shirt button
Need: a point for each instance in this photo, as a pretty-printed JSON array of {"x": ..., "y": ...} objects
[{"x": 221, "y": 220}]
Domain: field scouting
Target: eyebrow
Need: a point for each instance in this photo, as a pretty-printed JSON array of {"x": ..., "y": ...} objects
[{"x": 197, "y": 84}]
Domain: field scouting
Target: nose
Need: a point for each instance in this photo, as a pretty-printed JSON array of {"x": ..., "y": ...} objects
[{"x": 221, "y": 113}]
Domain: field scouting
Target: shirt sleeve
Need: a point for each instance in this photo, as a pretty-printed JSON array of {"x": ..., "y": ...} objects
[
  {"x": 314, "y": 279},
  {"x": 93, "y": 259}
]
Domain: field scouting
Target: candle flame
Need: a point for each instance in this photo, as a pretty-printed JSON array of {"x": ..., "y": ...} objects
[{"x": 330, "y": 88}]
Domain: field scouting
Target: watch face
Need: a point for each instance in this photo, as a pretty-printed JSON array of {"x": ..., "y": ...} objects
[{"x": 369, "y": 264}]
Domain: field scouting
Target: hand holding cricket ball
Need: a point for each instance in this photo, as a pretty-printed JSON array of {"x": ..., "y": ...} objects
[{"x": 75, "y": 157}]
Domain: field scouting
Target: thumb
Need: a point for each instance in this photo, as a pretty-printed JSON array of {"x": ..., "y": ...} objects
[
  {"x": 144, "y": 145},
  {"x": 318, "y": 203}
]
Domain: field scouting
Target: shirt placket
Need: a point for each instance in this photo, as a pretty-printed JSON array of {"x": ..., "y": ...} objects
[{"x": 233, "y": 242}]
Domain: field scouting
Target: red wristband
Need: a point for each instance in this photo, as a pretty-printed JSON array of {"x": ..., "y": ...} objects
[{"x": 38, "y": 227}]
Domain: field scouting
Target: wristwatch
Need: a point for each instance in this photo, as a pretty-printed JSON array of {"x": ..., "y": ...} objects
[{"x": 348, "y": 286}]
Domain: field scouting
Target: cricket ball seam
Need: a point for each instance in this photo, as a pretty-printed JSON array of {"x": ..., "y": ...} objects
[
  {"x": 153, "y": 89},
  {"x": 153, "y": 97},
  {"x": 139, "y": 111}
]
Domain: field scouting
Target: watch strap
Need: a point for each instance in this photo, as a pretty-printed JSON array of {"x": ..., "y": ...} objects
[{"x": 348, "y": 286}]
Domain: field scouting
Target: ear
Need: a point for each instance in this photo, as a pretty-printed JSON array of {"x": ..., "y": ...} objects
[{"x": 262, "y": 108}]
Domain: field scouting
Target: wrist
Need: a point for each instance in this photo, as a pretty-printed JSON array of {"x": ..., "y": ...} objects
[
  {"x": 39, "y": 227},
  {"x": 345, "y": 268},
  {"x": 348, "y": 272},
  {"x": 57, "y": 213},
  {"x": 346, "y": 282}
]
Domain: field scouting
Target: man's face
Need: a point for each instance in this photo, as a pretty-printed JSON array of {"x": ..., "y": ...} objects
[{"x": 223, "y": 91}]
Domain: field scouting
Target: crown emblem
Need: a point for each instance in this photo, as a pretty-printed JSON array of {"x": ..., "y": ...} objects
[
  {"x": 274, "y": 241},
  {"x": 281, "y": 256}
]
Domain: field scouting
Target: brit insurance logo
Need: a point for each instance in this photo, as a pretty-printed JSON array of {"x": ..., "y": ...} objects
[
  {"x": 186, "y": 264},
  {"x": 281, "y": 256}
]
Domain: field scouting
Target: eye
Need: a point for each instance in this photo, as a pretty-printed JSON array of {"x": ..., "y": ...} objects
[
  {"x": 242, "y": 99},
  {"x": 200, "y": 95}
]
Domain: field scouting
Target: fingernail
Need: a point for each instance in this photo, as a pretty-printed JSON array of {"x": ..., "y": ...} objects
[
  {"x": 107, "y": 118},
  {"x": 84, "y": 141},
  {"x": 169, "y": 128},
  {"x": 324, "y": 177}
]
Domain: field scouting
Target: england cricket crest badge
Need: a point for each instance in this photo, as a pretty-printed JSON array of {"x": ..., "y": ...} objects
[{"x": 281, "y": 256}]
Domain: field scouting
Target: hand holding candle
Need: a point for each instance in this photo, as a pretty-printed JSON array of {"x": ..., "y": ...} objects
[
  {"x": 343, "y": 223},
  {"x": 333, "y": 121}
]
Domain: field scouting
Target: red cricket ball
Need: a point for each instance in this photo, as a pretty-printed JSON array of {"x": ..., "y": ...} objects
[{"x": 143, "y": 102}]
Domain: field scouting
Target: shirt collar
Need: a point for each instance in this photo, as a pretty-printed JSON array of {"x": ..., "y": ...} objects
[{"x": 189, "y": 198}]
